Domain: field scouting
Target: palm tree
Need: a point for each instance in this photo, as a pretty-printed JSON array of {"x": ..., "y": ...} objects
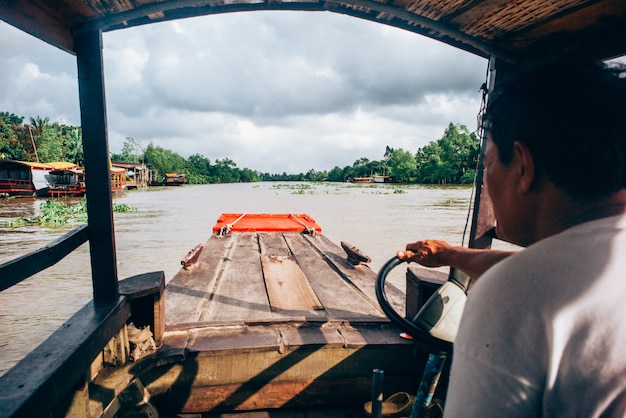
[{"x": 40, "y": 124}]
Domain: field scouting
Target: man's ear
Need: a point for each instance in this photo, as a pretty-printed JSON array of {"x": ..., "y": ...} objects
[{"x": 526, "y": 166}]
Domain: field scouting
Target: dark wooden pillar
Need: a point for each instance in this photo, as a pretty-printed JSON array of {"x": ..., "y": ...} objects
[{"x": 97, "y": 166}]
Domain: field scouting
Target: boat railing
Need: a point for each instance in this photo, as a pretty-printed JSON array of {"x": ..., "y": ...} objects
[
  {"x": 15, "y": 271},
  {"x": 50, "y": 374},
  {"x": 15, "y": 182}
]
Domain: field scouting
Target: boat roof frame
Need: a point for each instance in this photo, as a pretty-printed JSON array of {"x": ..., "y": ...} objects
[{"x": 510, "y": 31}]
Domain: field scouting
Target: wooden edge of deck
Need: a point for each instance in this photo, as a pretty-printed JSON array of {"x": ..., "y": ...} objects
[
  {"x": 273, "y": 336},
  {"x": 295, "y": 320},
  {"x": 295, "y": 363}
]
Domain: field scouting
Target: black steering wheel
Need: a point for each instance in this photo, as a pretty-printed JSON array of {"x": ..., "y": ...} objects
[{"x": 420, "y": 336}]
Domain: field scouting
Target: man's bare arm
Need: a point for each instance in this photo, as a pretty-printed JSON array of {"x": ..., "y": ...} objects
[{"x": 435, "y": 253}]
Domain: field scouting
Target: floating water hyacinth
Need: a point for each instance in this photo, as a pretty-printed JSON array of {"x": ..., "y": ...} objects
[{"x": 55, "y": 213}]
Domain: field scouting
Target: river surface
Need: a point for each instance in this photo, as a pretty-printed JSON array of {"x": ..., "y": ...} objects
[{"x": 377, "y": 219}]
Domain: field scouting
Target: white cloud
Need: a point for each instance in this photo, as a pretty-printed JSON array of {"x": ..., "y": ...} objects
[{"x": 273, "y": 91}]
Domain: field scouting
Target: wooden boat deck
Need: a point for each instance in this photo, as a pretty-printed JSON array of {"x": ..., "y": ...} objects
[
  {"x": 266, "y": 276},
  {"x": 267, "y": 320}
]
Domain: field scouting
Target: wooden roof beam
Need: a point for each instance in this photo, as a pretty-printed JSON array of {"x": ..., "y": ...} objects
[{"x": 49, "y": 27}]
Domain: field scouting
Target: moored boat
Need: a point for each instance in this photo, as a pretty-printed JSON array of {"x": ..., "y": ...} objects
[
  {"x": 25, "y": 178},
  {"x": 137, "y": 175},
  {"x": 64, "y": 183},
  {"x": 383, "y": 179},
  {"x": 174, "y": 179},
  {"x": 118, "y": 179},
  {"x": 54, "y": 179}
]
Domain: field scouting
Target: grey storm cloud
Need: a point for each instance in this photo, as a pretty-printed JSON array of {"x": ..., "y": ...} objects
[
  {"x": 323, "y": 88},
  {"x": 282, "y": 67}
]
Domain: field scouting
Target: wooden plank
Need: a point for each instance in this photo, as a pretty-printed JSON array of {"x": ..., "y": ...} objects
[
  {"x": 248, "y": 339},
  {"x": 340, "y": 299},
  {"x": 361, "y": 277},
  {"x": 273, "y": 244},
  {"x": 14, "y": 271},
  {"x": 239, "y": 293},
  {"x": 294, "y": 337},
  {"x": 368, "y": 335},
  {"x": 48, "y": 374},
  {"x": 190, "y": 290},
  {"x": 287, "y": 287}
]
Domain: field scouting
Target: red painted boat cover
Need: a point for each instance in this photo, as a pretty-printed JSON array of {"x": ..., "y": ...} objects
[{"x": 257, "y": 222}]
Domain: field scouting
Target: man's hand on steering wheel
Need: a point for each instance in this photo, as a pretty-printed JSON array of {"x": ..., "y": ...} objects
[
  {"x": 435, "y": 253},
  {"x": 428, "y": 253}
]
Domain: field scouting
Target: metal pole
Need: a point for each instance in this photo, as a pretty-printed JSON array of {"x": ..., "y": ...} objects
[
  {"x": 377, "y": 393},
  {"x": 428, "y": 384}
]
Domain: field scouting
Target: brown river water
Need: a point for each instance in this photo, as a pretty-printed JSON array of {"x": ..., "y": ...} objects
[{"x": 169, "y": 222}]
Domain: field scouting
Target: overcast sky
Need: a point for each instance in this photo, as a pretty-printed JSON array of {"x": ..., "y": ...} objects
[{"x": 273, "y": 91}]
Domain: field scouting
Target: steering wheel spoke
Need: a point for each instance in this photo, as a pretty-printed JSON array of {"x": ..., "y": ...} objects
[{"x": 421, "y": 336}]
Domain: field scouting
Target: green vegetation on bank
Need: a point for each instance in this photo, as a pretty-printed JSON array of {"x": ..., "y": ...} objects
[
  {"x": 331, "y": 188},
  {"x": 448, "y": 160}
]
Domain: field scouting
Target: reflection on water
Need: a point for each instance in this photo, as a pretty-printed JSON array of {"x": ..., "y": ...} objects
[{"x": 169, "y": 222}]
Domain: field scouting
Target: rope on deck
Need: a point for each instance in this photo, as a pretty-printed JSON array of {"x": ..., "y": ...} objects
[
  {"x": 307, "y": 229},
  {"x": 226, "y": 228}
]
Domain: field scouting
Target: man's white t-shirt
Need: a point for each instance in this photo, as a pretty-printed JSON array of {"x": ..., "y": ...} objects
[{"x": 544, "y": 331}]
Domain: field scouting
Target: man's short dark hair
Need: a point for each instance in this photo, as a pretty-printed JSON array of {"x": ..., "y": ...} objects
[{"x": 571, "y": 116}]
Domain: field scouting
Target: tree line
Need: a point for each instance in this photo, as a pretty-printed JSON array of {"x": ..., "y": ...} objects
[
  {"x": 449, "y": 160},
  {"x": 40, "y": 140}
]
